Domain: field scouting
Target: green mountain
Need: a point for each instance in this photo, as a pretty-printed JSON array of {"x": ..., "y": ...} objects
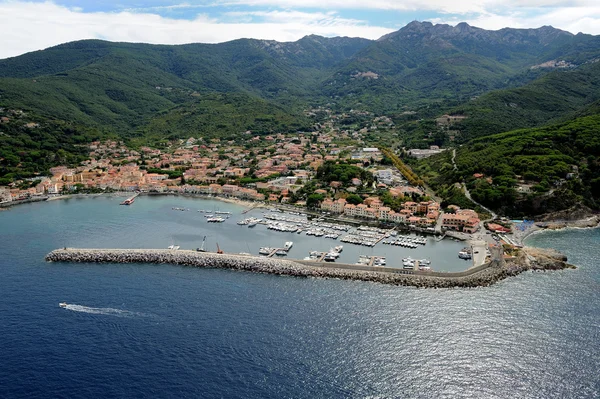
[
  {"x": 527, "y": 172},
  {"x": 121, "y": 86},
  {"x": 425, "y": 63},
  {"x": 501, "y": 80},
  {"x": 559, "y": 95}
]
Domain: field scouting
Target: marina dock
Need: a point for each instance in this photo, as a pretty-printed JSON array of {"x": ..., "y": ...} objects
[{"x": 130, "y": 200}]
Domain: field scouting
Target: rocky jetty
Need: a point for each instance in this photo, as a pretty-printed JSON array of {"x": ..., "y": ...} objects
[{"x": 481, "y": 276}]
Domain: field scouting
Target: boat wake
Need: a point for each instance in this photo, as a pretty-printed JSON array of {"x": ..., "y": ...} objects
[{"x": 103, "y": 311}]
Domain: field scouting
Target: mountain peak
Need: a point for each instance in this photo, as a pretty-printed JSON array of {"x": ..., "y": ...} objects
[{"x": 463, "y": 30}]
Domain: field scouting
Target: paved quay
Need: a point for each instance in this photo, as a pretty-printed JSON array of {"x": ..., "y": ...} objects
[{"x": 483, "y": 275}]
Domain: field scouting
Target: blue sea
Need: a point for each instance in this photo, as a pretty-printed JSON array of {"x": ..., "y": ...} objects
[{"x": 167, "y": 331}]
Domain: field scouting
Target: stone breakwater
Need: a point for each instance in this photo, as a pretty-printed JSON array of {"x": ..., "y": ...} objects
[{"x": 481, "y": 276}]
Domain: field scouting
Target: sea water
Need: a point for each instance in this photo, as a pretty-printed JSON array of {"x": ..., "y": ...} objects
[{"x": 167, "y": 331}]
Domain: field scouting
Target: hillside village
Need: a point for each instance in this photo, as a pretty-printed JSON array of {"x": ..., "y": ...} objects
[{"x": 275, "y": 168}]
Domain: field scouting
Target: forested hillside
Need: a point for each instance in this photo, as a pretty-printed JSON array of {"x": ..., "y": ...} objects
[{"x": 527, "y": 172}]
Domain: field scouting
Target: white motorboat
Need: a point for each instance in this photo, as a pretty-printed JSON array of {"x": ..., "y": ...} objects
[
  {"x": 265, "y": 250},
  {"x": 62, "y": 304}
]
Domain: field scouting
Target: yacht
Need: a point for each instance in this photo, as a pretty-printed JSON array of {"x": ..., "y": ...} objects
[
  {"x": 330, "y": 257},
  {"x": 173, "y": 247},
  {"x": 265, "y": 250},
  {"x": 379, "y": 261},
  {"x": 288, "y": 245},
  {"x": 339, "y": 248}
]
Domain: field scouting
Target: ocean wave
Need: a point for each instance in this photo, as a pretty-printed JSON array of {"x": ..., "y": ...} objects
[{"x": 104, "y": 311}]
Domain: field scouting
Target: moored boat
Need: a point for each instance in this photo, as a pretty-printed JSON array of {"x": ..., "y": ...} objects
[
  {"x": 265, "y": 250},
  {"x": 201, "y": 248}
]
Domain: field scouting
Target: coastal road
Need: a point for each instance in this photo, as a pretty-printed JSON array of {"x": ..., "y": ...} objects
[{"x": 468, "y": 195}]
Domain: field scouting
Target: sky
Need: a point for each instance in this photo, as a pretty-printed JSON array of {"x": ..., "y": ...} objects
[{"x": 37, "y": 24}]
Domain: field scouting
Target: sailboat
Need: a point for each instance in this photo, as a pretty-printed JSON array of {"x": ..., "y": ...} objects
[
  {"x": 173, "y": 246},
  {"x": 201, "y": 249}
]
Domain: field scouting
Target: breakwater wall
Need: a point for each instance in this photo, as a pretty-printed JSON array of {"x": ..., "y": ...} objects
[
  {"x": 476, "y": 277},
  {"x": 8, "y": 204}
]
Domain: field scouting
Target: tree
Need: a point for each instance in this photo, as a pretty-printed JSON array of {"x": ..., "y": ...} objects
[
  {"x": 314, "y": 200},
  {"x": 354, "y": 199}
]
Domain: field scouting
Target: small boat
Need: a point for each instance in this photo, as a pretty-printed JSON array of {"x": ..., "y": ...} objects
[
  {"x": 288, "y": 245},
  {"x": 339, "y": 248},
  {"x": 62, "y": 304},
  {"x": 128, "y": 201},
  {"x": 201, "y": 249},
  {"x": 265, "y": 250},
  {"x": 379, "y": 261},
  {"x": 281, "y": 252},
  {"x": 329, "y": 258},
  {"x": 464, "y": 255}
]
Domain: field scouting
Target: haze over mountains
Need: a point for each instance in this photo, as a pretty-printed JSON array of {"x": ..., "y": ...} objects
[{"x": 500, "y": 80}]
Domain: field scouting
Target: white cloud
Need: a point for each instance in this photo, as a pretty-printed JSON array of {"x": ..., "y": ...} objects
[
  {"x": 26, "y": 26},
  {"x": 441, "y": 6},
  {"x": 574, "y": 20},
  {"x": 276, "y": 16},
  {"x": 399, "y": 5}
]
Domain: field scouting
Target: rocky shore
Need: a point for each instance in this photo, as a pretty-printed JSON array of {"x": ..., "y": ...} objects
[
  {"x": 482, "y": 276},
  {"x": 588, "y": 222}
]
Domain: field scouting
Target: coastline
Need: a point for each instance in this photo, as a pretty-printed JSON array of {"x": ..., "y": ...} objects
[
  {"x": 482, "y": 276},
  {"x": 590, "y": 222},
  {"x": 230, "y": 200},
  {"x": 586, "y": 218},
  {"x": 236, "y": 201}
]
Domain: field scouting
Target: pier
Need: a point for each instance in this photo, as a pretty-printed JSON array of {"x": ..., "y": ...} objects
[
  {"x": 130, "y": 200},
  {"x": 483, "y": 275}
]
